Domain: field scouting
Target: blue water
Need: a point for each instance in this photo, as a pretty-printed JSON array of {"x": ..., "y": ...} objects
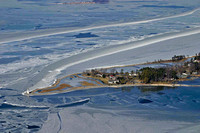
[
  {"x": 8, "y": 60},
  {"x": 181, "y": 99},
  {"x": 85, "y": 35},
  {"x": 32, "y": 111}
]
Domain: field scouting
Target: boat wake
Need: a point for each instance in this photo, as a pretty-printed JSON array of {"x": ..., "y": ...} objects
[
  {"x": 7, "y": 105},
  {"x": 77, "y": 103}
]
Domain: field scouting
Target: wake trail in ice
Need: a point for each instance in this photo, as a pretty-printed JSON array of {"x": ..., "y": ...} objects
[
  {"x": 76, "y": 103},
  {"x": 6, "y": 105},
  {"x": 45, "y": 33}
]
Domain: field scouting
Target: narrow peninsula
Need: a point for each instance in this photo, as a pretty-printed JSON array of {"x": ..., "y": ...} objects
[{"x": 168, "y": 73}]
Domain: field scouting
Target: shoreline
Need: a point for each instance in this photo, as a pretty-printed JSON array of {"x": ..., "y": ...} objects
[
  {"x": 57, "y": 81},
  {"x": 112, "y": 86}
]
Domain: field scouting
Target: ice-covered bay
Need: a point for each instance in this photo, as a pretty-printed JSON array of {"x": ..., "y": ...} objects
[
  {"x": 49, "y": 48},
  {"x": 110, "y": 110},
  {"x": 42, "y": 41},
  {"x": 43, "y": 33}
]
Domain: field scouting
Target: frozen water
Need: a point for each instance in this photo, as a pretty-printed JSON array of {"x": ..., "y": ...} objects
[
  {"x": 118, "y": 110},
  {"x": 44, "y": 40}
]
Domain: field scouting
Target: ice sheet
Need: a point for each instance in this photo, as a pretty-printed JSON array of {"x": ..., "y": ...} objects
[
  {"x": 44, "y": 33},
  {"x": 41, "y": 41}
]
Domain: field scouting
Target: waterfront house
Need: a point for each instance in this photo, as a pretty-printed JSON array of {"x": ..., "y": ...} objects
[
  {"x": 99, "y": 75},
  {"x": 177, "y": 58},
  {"x": 112, "y": 77},
  {"x": 113, "y": 81},
  {"x": 194, "y": 73},
  {"x": 196, "y": 61},
  {"x": 182, "y": 75}
]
